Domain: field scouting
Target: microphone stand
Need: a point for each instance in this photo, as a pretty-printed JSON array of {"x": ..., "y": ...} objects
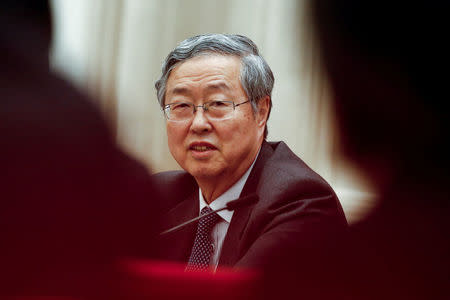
[
  {"x": 231, "y": 205},
  {"x": 192, "y": 221}
]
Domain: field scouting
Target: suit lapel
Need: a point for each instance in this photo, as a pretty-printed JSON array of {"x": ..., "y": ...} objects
[
  {"x": 231, "y": 249},
  {"x": 177, "y": 245}
]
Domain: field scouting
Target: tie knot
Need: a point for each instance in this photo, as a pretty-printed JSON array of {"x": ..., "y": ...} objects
[{"x": 209, "y": 221}]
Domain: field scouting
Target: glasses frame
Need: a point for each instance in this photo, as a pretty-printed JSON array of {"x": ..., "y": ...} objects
[{"x": 205, "y": 107}]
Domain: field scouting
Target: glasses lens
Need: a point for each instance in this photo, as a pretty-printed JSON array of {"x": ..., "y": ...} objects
[
  {"x": 220, "y": 109},
  {"x": 179, "y": 111},
  {"x": 216, "y": 109}
]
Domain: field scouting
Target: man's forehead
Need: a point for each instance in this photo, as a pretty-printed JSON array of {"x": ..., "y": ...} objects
[
  {"x": 206, "y": 56},
  {"x": 216, "y": 72},
  {"x": 208, "y": 87}
]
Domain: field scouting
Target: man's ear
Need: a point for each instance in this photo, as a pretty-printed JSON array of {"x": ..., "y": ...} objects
[{"x": 263, "y": 110}]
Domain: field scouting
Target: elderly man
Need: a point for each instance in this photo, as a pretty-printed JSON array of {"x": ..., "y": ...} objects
[{"x": 215, "y": 92}]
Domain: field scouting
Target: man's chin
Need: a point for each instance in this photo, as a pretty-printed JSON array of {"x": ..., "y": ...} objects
[{"x": 203, "y": 173}]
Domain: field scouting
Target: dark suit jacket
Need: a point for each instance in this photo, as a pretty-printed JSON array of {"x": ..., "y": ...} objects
[{"x": 296, "y": 208}]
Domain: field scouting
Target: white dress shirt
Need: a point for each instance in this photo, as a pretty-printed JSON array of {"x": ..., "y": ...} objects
[{"x": 219, "y": 231}]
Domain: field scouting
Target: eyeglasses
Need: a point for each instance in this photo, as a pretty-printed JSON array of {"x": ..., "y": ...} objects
[{"x": 214, "y": 110}]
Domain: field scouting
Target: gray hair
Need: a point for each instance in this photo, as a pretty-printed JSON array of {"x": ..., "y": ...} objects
[{"x": 256, "y": 76}]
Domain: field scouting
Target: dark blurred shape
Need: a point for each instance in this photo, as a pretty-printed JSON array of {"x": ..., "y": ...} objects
[
  {"x": 72, "y": 204},
  {"x": 36, "y": 11},
  {"x": 387, "y": 64}
]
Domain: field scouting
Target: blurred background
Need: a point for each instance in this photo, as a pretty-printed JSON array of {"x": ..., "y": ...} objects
[{"x": 113, "y": 50}]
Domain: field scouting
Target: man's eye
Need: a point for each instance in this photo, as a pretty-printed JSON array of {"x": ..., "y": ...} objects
[
  {"x": 219, "y": 104},
  {"x": 179, "y": 106}
]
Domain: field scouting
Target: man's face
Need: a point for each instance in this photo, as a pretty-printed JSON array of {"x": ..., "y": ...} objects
[{"x": 213, "y": 150}]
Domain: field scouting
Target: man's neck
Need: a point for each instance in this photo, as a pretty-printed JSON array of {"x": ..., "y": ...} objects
[{"x": 212, "y": 190}]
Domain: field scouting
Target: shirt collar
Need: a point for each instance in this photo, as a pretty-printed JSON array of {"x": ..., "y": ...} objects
[{"x": 231, "y": 194}]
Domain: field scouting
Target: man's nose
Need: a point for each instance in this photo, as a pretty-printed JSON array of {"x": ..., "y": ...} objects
[{"x": 200, "y": 123}]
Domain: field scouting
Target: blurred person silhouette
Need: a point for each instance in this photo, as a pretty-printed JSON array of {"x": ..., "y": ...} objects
[
  {"x": 386, "y": 63},
  {"x": 72, "y": 202},
  {"x": 78, "y": 216}
]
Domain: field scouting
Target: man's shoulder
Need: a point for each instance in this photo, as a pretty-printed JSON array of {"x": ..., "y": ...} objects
[
  {"x": 284, "y": 161},
  {"x": 285, "y": 173}
]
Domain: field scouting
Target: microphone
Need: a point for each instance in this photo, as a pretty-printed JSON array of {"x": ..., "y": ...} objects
[{"x": 231, "y": 205}]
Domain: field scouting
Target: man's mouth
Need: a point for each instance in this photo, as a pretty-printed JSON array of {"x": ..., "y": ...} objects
[{"x": 201, "y": 147}]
